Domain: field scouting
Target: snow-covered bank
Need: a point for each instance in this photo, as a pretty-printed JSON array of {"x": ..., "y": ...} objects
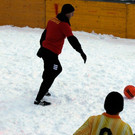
[{"x": 77, "y": 93}]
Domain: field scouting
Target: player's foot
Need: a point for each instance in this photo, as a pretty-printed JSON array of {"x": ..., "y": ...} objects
[
  {"x": 43, "y": 103},
  {"x": 48, "y": 94}
]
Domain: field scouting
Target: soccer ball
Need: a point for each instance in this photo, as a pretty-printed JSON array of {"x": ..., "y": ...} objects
[{"x": 129, "y": 91}]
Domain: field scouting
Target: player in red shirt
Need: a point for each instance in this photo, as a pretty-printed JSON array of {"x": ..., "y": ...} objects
[{"x": 51, "y": 42}]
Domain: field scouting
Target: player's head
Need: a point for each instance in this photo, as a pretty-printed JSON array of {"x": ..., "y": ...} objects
[
  {"x": 68, "y": 10},
  {"x": 114, "y": 103}
]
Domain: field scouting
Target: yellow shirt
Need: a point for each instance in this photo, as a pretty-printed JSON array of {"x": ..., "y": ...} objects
[{"x": 105, "y": 123}]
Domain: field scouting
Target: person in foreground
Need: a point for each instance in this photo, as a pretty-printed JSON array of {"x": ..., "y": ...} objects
[
  {"x": 51, "y": 42},
  {"x": 108, "y": 123}
]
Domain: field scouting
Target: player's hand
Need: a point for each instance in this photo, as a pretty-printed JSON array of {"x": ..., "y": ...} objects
[{"x": 84, "y": 56}]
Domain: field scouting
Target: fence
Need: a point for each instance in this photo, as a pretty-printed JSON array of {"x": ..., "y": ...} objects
[{"x": 102, "y": 17}]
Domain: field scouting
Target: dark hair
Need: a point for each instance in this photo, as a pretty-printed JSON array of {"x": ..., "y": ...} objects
[{"x": 114, "y": 103}]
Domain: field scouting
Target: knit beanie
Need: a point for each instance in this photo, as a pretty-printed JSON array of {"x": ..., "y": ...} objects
[
  {"x": 67, "y": 8},
  {"x": 114, "y": 103}
]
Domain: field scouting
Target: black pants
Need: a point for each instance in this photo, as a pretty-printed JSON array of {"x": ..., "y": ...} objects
[{"x": 52, "y": 68}]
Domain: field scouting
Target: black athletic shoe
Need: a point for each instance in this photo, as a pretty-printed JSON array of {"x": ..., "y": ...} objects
[
  {"x": 48, "y": 94},
  {"x": 43, "y": 103}
]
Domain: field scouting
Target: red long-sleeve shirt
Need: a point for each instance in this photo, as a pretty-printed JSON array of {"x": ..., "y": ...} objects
[{"x": 57, "y": 31}]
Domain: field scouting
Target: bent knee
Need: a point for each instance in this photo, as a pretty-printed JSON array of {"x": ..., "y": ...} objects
[
  {"x": 57, "y": 68},
  {"x": 60, "y": 69}
]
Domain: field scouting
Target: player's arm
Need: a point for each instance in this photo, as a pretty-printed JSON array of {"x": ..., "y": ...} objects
[
  {"x": 43, "y": 36},
  {"x": 129, "y": 131},
  {"x": 66, "y": 29},
  {"x": 77, "y": 46},
  {"x": 85, "y": 129}
]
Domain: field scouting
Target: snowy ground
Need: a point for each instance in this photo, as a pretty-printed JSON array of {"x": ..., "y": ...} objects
[{"x": 77, "y": 93}]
